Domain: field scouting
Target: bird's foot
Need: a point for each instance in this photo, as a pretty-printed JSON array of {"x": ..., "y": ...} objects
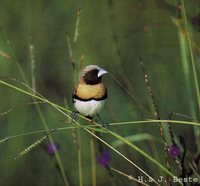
[
  {"x": 105, "y": 125},
  {"x": 73, "y": 116}
]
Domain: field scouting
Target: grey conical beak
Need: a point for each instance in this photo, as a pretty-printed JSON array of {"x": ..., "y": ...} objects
[{"x": 101, "y": 72}]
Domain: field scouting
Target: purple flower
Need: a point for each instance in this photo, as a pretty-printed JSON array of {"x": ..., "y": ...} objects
[
  {"x": 52, "y": 148},
  {"x": 174, "y": 151},
  {"x": 104, "y": 158}
]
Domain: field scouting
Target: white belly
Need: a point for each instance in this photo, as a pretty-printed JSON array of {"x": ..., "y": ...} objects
[{"x": 89, "y": 108}]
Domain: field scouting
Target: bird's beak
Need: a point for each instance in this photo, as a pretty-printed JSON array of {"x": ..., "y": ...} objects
[{"x": 101, "y": 72}]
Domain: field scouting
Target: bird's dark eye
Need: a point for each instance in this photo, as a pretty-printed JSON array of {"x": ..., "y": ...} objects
[{"x": 91, "y": 77}]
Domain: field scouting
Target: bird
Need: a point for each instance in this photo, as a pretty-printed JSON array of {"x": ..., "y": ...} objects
[{"x": 90, "y": 94}]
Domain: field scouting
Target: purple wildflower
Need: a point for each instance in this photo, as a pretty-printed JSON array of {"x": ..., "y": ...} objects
[
  {"x": 52, "y": 148},
  {"x": 174, "y": 151},
  {"x": 104, "y": 158}
]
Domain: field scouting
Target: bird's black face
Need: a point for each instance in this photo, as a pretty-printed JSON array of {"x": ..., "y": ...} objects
[{"x": 91, "y": 77}]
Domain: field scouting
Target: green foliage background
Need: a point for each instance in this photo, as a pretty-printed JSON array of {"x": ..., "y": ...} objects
[{"x": 112, "y": 34}]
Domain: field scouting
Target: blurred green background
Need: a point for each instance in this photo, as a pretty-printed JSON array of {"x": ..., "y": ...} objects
[{"x": 113, "y": 34}]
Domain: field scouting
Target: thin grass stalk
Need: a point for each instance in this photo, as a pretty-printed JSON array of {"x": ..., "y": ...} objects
[
  {"x": 157, "y": 116},
  {"x": 131, "y": 95},
  {"x": 71, "y": 48},
  {"x": 33, "y": 145},
  {"x": 44, "y": 122},
  {"x": 76, "y": 33},
  {"x": 194, "y": 69},
  {"x": 80, "y": 158},
  {"x": 156, "y": 121},
  {"x": 94, "y": 127},
  {"x": 76, "y": 131},
  {"x": 93, "y": 161},
  {"x": 58, "y": 159},
  {"x": 13, "y": 58},
  {"x": 186, "y": 65},
  {"x": 118, "y": 60},
  {"x": 130, "y": 177},
  {"x": 194, "y": 73}
]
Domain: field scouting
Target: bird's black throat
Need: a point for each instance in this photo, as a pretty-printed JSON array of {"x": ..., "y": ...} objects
[{"x": 91, "y": 77}]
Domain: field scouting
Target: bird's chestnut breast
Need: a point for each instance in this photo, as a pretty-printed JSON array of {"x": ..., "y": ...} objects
[{"x": 85, "y": 91}]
